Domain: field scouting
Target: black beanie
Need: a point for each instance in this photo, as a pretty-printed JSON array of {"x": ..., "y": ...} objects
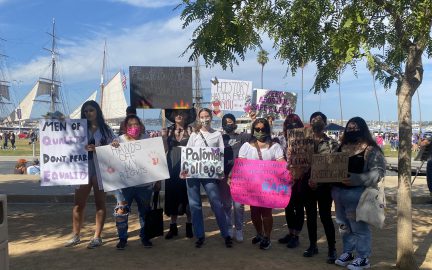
[{"x": 324, "y": 118}]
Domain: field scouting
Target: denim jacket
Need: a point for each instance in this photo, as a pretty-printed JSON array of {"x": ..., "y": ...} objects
[{"x": 373, "y": 170}]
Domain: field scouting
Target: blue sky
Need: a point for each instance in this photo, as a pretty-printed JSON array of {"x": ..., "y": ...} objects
[{"x": 149, "y": 33}]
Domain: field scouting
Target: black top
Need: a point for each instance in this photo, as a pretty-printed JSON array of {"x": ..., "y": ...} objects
[
  {"x": 356, "y": 162},
  {"x": 233, "y": 143}
]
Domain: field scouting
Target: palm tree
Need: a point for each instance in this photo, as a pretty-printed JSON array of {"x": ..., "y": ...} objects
[{"x": 262, "y": 59}]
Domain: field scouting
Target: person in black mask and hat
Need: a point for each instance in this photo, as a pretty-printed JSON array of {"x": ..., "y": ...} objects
[
  {"x": 176, "y": 198},
  {"x": 232, "y": 141}
]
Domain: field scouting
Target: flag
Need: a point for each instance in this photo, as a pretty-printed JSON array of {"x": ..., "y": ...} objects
[{"x": 123, "y": 80}]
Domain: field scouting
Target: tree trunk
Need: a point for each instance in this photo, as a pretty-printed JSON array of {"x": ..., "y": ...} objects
[{"x": 262, "y": 76}]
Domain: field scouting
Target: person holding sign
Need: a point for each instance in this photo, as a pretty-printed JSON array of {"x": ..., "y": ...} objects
[
  {"x": 205, "y": 136},
  {"x": 98, "y": 134},
  {"x": 132, "y": 129},
  {"x": 233, "y": 141},
  {"x": 176, "y": 198},
  {"x": 294, "y": 212},
  {"x": 366, "y": 167},
  {"x": 320, "y": 193},
  {"x": 261, "y": 147}
]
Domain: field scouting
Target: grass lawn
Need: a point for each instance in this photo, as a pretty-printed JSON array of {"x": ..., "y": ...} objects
[{"x": 23, "y": 148}]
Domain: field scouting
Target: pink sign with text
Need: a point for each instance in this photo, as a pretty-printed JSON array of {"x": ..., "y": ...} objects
[{"x": 261, "y": 183}]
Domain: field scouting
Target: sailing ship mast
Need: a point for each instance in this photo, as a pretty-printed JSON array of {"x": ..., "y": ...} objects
[
  {"x": 102, "y": 83},
  {"x": 53, "y": 65},
  {"x": 4, "y": 88}
]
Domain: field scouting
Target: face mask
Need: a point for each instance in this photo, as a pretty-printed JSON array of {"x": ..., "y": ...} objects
[
  {"x": 260, "y": 136},
  {"x": 318, "y": 126},
  {"x": 352, "y": 136},
  {"x": 229, "y": 128},
  {"x": 134, "y": 132},
  {"x": 205, "y": 122}
]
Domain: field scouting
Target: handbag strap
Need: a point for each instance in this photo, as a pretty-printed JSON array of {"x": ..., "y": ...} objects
[
  {"x": 202, "y": 136},
  {"x": 259, "y": 150}
]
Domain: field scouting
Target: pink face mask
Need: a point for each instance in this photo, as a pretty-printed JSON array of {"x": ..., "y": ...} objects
[{"x": 134, "y": 132}]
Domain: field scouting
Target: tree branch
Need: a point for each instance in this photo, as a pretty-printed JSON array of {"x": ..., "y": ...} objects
[{"x": 383, "y": 66}]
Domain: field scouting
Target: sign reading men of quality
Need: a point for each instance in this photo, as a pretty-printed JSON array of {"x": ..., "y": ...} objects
[
  {"x": 231, "y": 94},
  {"x": 63, "y": 157},
  {"x": 161, "y": 87},
  {"x": 132, "y": 163},
  {"x": 328, "y": 168},
  {"x": 202, "y": 162},
  {"x": 261, "y": 183},
  {"x": 279, "y": 104},
  {"x": 300, "y": 147}
]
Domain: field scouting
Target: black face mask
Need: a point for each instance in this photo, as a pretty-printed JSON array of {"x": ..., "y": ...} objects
[
  {"x": 228, "y": 128},
  {"x": 352, "y": 136},
  {"x": 318, "y": 127}
]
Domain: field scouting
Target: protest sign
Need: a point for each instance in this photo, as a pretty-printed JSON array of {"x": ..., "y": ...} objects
[
  {"x": 300, "y": 147},
  {"x": 161, "y": 87},
  {"x": 231, "y": 94},
  {"x": 202, "y": 162},
  {"x": 132, "y": 163},
  {"x": 261, "y": 183},
  {"x": 278, "y": 104},
  {"x": 329, "y": 168},
  {"x": 63, "y": 157}
]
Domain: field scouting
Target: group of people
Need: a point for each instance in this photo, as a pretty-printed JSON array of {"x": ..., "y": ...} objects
[
  {"x": 21, "y": 167},
  {"x": 182, "y": 196},
  {"x": 8, "y": 137}
]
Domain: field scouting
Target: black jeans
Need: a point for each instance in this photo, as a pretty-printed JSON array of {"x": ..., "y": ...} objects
[
  {"x": 294, "y": 212},
  {"x": 322, "y": 195}
]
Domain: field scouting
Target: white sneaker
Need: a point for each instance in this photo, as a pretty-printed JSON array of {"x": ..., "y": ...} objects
[
  {"x": 239, "y": 235},
  {"x": 94, "y": 243},
  {"x": 359, "y": 264},
  {"x": 74, "y": 241}
]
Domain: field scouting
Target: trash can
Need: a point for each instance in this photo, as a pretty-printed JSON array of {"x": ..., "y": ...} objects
[{"x": 4, "y": 254}]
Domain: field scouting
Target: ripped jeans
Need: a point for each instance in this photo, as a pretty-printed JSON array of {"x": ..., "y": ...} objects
[
  {"x": 356, "y": 236},
  {"x": 142, "y": 195},
  {"x": 228, "y": 204}
]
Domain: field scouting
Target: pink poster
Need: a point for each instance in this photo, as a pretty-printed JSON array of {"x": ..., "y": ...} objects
[{"x": 261, "y": 183}]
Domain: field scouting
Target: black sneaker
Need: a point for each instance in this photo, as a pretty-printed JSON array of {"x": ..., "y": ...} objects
[
  {"x": 332, "y": 256},
  {"x": 257, "y": 239},
  {"x": 121, "y": 245},
  {"x": 200, "y": 242},
  {"x": 265, "y": 243},
  {"x": 311, "y": 251},
  {"x": 359, "y": 263},
  {"x": 293, "y": 242},
  {"x": 285, "y": 239},
  {"x": 344, "y": 259},
  {"x": 146, "y": 243},
  {"x": 228, "y": 242}
]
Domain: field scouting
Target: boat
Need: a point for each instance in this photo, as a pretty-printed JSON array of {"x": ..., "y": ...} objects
[{"x": 6, "y": 105}]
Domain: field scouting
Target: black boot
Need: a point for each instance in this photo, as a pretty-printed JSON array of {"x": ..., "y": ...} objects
[
  {"x": 332, "y": 256},
  {"x": 189, "y": 232},
  {"x": 311, "y": 251},
  {"x": 173, "y": 231},
  {"x": 293, "y": 242}
]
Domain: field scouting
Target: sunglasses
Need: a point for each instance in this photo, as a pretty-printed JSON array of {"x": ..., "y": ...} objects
[{"x": 259, "y": 129}]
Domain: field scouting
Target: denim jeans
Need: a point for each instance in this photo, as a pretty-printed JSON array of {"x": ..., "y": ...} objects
[
  {"x": 356, "y": 236},
  {"x": 212, "y": 189},
  {"x": 429, "y": 174},
  {"x": 142, "y": 196},
  {"x": 228, "y": 204}
]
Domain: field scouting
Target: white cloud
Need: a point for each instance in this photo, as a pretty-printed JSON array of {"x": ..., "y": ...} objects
[{"x": 149, "y": 3}]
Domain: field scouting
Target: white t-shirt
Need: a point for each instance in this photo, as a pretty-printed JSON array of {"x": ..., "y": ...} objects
[
  {"x": 213, "y": 139},
  {"x": 249, "y": 151}
]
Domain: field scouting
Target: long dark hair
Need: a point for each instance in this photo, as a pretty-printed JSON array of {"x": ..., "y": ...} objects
[
  {"x": 291, "y": 121},
  {"x": 103, "y": 127},
  {"x": 266, "y": 130},
  {"x": 126, "y": 120},
  {"x": 365, "y": 133}
]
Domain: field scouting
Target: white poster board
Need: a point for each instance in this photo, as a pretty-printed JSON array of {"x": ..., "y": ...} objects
[
  {"x": 132, "y": 163},
  {"x": 231, "y": 94},
  {"x": 279, "y": 104},
  {"x": 202, "y": 162},
  {"x": 63, "y": 158}
]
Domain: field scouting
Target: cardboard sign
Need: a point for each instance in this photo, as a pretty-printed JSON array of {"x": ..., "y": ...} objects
[
  {"x": 278, "y": 104},
  {"x": 63, "y": 158},
  {"x": 161, "y": 87},
  {"x": 300, "y": 147},
  {"x": 202, "y": 162},
  {"x": 132, "y": 163},
  {"x": 231, "y": 94},
  {"x": 329, "y": 168},
  {"x": 261, "y": 183}
]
